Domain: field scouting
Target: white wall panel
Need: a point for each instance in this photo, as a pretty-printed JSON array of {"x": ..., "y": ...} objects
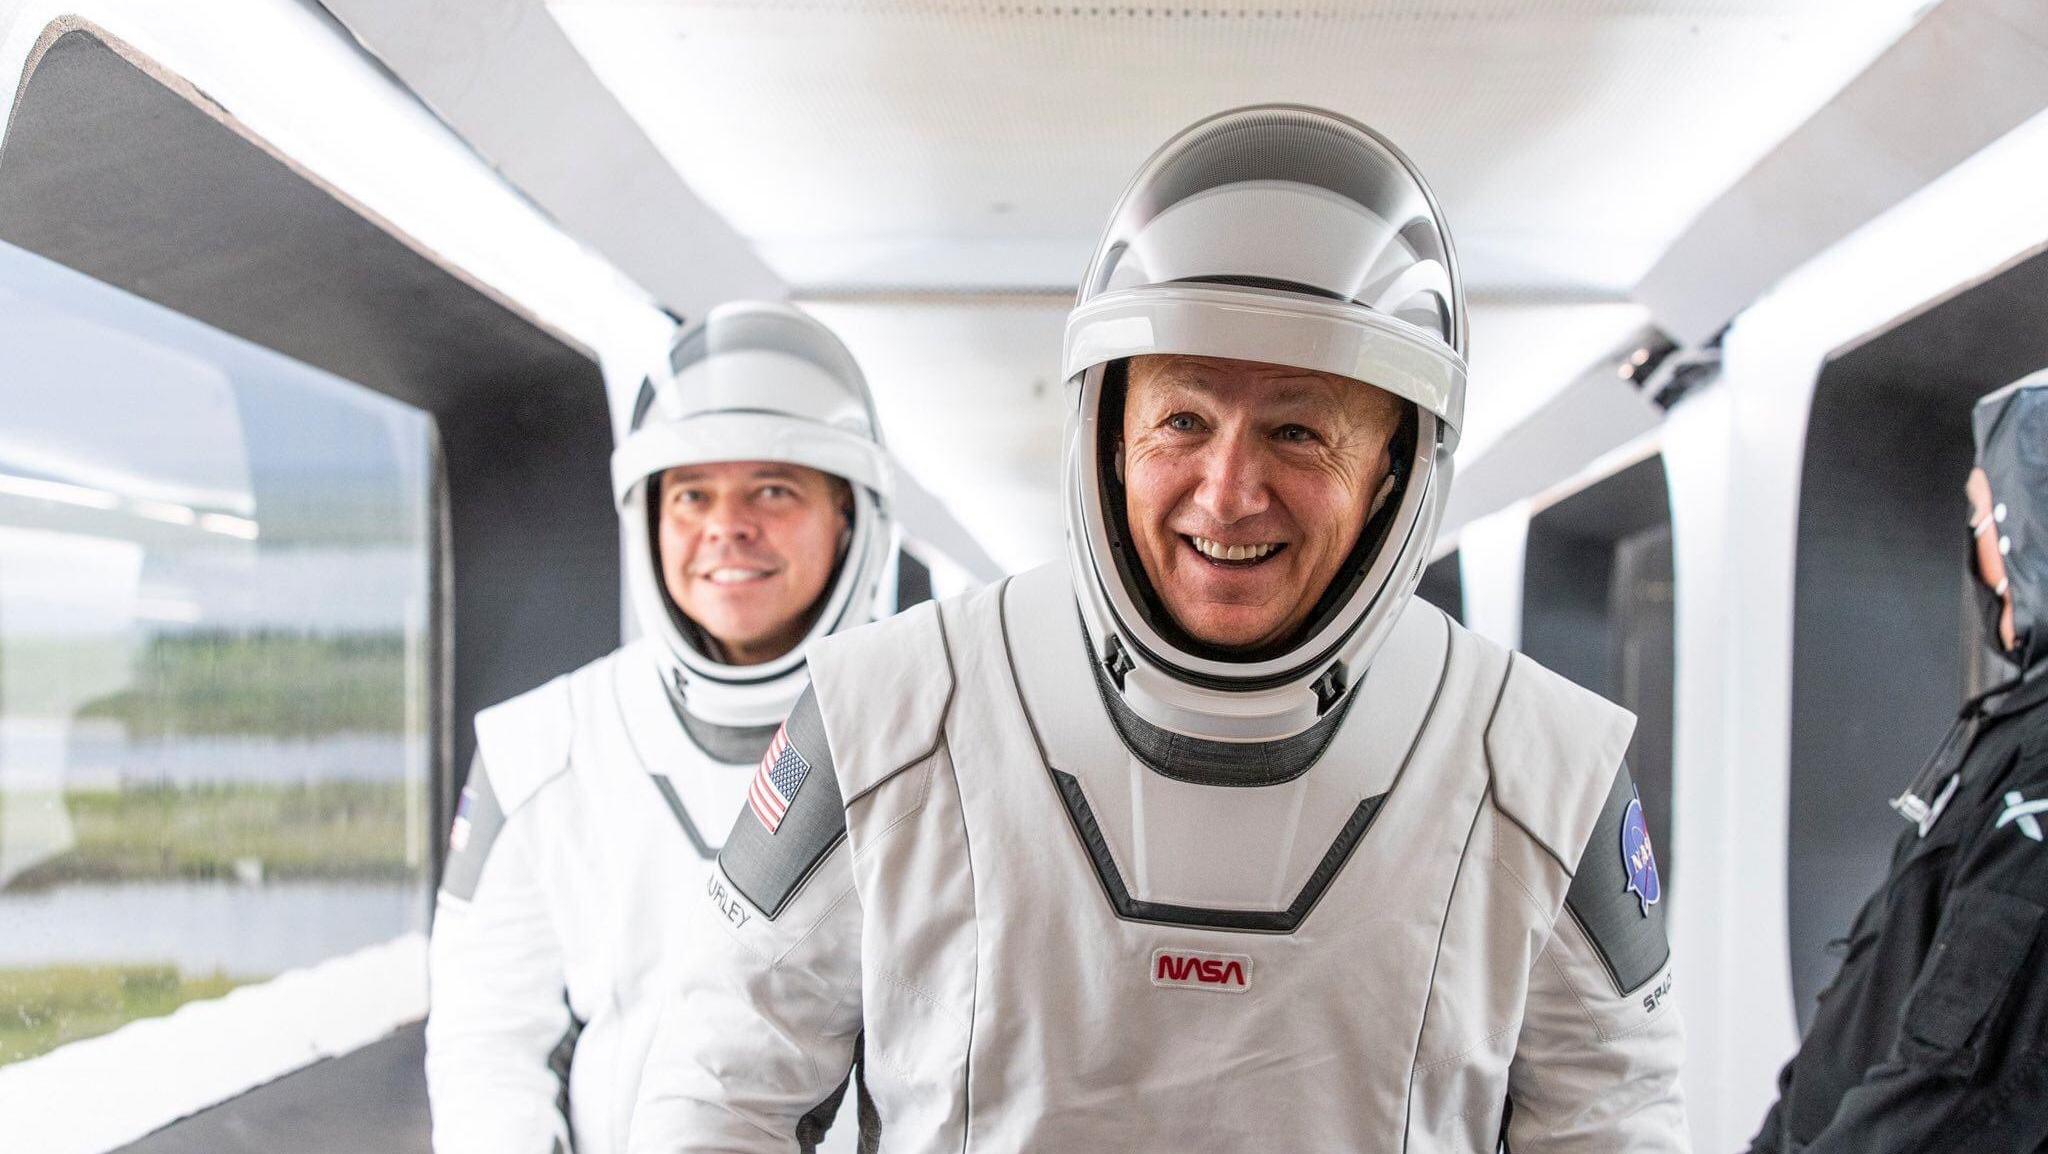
[{"x": 1734, "y": 452}]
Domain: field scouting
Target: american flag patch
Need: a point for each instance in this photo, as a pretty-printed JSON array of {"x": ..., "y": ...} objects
[
  {"x": 458, "y": 835},
  {"x": 782, "y": 773}
]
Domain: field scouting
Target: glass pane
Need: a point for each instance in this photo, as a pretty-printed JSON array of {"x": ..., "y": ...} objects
[{"x": 215, "y": 631}]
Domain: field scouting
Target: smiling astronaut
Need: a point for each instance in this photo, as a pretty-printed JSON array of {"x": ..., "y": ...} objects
[{"x": 1214, "y": 838}]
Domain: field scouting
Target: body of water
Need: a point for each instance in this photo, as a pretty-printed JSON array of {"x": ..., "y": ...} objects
[
  {"x": 95, "y": 754},
  {"x": 243, "y": 931}
]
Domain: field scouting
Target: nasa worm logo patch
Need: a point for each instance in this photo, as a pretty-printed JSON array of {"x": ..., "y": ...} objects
[
  {"x": 1192, "y": 970},
  {"x": 1638, "y": 859}
]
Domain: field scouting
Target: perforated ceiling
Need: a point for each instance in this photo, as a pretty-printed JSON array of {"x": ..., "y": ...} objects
[{"x": 897, "y": 143}]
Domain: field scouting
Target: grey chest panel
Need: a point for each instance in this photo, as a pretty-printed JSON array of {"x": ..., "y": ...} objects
[
  {"x": 1173, "y": 836},
  {"x": 1199, "y": 917}
]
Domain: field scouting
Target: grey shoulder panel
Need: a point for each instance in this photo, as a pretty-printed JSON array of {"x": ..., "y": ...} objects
[
  {"x": 1616, "y": 894},
  {"x": 794, "y": 817},
  {"x": 479, "y": 819}
]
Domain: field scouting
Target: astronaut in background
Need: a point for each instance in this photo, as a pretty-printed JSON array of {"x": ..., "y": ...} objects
[
  {"x": 1213, "y": 838},
  {"x": 753, "y": 493},
  {"x": 1934, "y": 1034}
]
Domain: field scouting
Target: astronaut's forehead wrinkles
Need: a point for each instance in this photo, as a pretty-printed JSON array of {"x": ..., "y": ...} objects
[
  {"x": 762, "y": 471},
  {"x": 1279, "y": 384}
]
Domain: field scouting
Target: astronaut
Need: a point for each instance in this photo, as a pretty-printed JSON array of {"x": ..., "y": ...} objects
[
  {"x": 1934, "y": 1034},
  {"x": 753, "y": 490},
  {"x": 1213, "y": 839}
]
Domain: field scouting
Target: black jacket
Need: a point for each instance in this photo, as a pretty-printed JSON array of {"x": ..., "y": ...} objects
[{"x": 1934, "y": 1035}]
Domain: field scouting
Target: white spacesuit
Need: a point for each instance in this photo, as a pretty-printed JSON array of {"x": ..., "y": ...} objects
[
  {"x": 1069, "y": 879},
  {"x": 597, "y": 800}
]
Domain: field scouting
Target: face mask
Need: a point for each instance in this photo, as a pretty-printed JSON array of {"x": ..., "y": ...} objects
[
  {"x": 1990, "y": 601},
  {"x": 2010, "y": 427},
  {"x": 1991, "y": 613}
]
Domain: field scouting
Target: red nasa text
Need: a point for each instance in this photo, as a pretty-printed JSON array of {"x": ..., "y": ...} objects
[{"x": 1228, "y": 973}]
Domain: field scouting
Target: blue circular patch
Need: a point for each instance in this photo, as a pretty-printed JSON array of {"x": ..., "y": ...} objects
[{"x": 1638, "y": 860}]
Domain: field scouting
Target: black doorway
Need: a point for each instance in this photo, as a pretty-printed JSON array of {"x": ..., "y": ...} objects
[
  {"x": 1597, "y": 607},
  {"x": 1884, "y": 642}
]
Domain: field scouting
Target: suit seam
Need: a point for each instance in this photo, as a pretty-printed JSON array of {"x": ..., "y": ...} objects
[
  {"x": 1607, "y": 963},
  {"x": 533, "y": 864},
  {"x": 705, "y": 850},
  {"x": 938, "y": 730},
  {"x": 1002, "y": 596},
  {"x": 1439, "y": 1063},
  {"x": 803, "y": 880},
  {"x": 1436, "y": 963},
  {"x": 1573, "y": 989},
  {"x": 897, "y": 980},
  {"x": 868, "y": 845},
  {"x": 838, "y": 900},
  {"x": 1570, "y": 870},
  {"x": 1519, "y": 824},
  {"x": 1521, "y": 884},
  {"x": 1443, "y": 931},
  {"x": 924, "y": 792}
]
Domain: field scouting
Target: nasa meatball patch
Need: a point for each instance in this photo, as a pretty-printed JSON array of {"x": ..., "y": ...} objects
[
  {"x": 1617, "y": 894},
  {"x": 1638, "y": 858}
]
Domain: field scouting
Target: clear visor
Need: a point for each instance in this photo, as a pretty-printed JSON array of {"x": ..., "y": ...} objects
[
  {"x": 754, "y": 381},
  {"x": 1389, "y": 533}
]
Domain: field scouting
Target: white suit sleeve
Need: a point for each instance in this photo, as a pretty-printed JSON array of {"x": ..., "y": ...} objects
[
  {"x": 1597, "y": 1060},
  {"x": 758, "y": 1040},
  {"x": 497, "y": 1011}
]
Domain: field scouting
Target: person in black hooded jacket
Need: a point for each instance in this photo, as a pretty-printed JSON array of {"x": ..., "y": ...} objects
[{"x": 1934, "y": 1035}]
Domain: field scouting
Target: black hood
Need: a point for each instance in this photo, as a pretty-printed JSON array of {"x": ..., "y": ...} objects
[{"x": 2011, "y": 427}]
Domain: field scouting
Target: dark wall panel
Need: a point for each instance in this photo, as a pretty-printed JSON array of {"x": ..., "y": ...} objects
[
  {"x": 1878, "y": 647},
  {"x": 1597, "y": 608},
  {"x": 1443, "y": 586},
  {"x": 1565, "y": 622},
  {"x": 1643, "y": 659},
  {"x": 128, "y": 175}
]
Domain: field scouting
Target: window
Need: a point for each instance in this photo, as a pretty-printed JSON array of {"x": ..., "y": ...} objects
[{"x": 216, "y": 659}]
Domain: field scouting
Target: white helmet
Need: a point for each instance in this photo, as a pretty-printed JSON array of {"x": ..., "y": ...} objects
[
  {"x": 1290, "y": 236},
  {"x": 753, "y": 381}
]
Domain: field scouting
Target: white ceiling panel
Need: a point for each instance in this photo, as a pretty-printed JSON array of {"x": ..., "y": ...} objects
[
  {"x": 969, "y": 395},
  {"x": 862, "y": 144}
]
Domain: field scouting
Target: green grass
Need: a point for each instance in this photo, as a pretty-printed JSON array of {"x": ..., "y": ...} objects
[
  {"x": 331, "y": 830},
  {"x": 273, "y": 684},
  {"x": 41, "y": 1009}
]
